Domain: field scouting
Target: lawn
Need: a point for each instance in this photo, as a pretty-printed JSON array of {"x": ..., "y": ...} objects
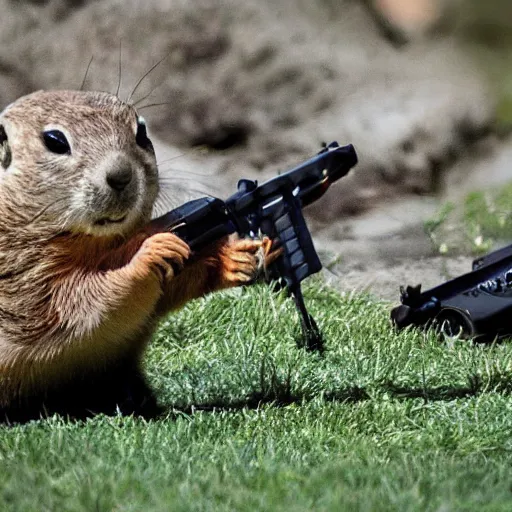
[{"x": 380, "y": 421}]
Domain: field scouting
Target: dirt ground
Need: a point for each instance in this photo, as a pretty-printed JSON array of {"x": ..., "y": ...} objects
[{"x": 247, "y": 88}]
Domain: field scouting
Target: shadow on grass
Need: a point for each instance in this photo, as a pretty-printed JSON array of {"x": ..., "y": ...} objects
[
  {"x": 436, "y": 393},
  {"x": 275, "y": 388},
  {"x": 278, "y": 398},
  {"x": 278, "y": 390},
  {"x": 278, "y": 393},
  {"x": 497, "y": 382}
]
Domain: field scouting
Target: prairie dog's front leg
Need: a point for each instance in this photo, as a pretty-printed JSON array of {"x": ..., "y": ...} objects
[
  {"x": 226, "y": 264},
  {"x": 121, "y": 299}
]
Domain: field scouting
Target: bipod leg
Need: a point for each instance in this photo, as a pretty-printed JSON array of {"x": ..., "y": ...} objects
[{"x": 313, "y": 339}]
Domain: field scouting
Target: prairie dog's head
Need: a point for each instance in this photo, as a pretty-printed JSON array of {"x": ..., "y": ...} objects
[{"x": 73, "y": 161}]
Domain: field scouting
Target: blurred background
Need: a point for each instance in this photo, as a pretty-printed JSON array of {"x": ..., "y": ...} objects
[{"x": 422, "y": 88}]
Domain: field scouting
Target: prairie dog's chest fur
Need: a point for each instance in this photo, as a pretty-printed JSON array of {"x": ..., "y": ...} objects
[{"x": 57, "y": 317}]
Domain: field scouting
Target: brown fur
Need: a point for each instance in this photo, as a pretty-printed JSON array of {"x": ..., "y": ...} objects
[{"x": 77, "y": 297}]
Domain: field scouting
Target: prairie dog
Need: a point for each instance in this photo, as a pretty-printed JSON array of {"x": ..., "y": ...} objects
[{"x": 83, "y": 277}]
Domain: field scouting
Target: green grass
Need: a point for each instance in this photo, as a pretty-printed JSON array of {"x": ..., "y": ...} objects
[
  {"x": 382, "y": 421},
  {"x": 481, "y": 221}
]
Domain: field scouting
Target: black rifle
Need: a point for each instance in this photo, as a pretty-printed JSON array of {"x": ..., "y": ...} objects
[
  {"x": 274, "y": 209},
  {"x": 474, "y": 305}
]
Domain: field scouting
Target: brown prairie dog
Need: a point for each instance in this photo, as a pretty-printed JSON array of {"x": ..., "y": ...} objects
[{"x": 83, "y": 281}]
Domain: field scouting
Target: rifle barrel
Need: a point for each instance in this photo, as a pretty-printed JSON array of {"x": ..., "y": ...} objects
[{"x": 326, "y": 169}]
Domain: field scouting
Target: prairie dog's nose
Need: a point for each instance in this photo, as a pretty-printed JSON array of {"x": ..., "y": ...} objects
[{"x": 119, "y": 177}]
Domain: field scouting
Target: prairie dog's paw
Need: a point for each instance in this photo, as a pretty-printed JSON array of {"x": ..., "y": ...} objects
[
  {"x": 243, "y": 259},
  {"x": 163, "y": 255}
]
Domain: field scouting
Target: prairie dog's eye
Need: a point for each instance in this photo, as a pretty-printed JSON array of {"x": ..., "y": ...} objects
[
  {"x": 56, "y": 142},
  {"x": 5, "y": 150},
  {"x": 141, "y": 137}
]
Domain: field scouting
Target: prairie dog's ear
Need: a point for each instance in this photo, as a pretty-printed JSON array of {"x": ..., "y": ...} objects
[{"x": 5, "y": 150}]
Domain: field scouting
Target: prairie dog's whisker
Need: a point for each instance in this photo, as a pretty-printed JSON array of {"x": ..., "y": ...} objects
[
  {"x": 155, "y": 105},
  {"x": 145, "y": 75},
  {"x": 191, "y": 151},
  {"x": 170, "y": 171},
  {"x": 86, "y": 73},
  {"x": 119, "y": 71}
]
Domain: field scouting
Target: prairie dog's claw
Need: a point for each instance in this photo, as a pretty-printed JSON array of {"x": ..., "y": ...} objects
[
  {"x": 242, "y": 260},
  {"x": 163, "y": 253},
  {"x": 268, "y": 254}
]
